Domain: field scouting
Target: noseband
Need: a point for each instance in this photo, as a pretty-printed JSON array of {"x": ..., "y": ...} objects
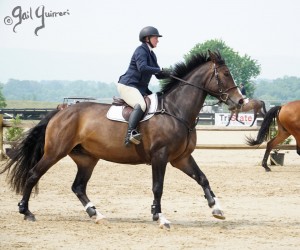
[{"x": 222, "y": 95}]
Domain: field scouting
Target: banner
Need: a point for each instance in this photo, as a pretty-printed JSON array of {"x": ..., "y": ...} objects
[{"x": 221, "y": 119}]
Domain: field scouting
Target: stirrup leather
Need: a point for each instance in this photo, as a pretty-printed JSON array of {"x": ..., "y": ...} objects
[{"x": 135, "y": 137}]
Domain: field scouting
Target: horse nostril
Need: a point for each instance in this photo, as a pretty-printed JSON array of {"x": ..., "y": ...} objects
[{"x": 241, "y": 101}]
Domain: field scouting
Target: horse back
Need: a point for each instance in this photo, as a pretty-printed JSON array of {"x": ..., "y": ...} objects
[{"x": 289, "y": 118}]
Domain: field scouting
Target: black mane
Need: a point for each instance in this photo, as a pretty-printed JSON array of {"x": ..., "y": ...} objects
[{"x": 183, "y": 68}]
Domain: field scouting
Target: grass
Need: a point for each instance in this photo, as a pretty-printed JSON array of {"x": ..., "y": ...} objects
[{"x": 29, "y": 104}]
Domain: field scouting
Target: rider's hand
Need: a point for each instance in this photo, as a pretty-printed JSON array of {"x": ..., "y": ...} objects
[{"x": 163, "y": 74}]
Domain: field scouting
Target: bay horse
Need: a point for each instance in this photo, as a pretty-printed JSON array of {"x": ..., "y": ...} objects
[
  {"x": 288, "y": 121},
  {"x": 258, "y": 106},
  {"x": 83, "y": 132}
]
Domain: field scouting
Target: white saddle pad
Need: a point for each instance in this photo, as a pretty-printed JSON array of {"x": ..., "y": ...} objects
[{"x": 115, "y": 112}]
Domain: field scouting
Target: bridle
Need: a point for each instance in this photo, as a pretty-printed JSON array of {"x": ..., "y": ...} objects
[{"x": 222, "y": 95}]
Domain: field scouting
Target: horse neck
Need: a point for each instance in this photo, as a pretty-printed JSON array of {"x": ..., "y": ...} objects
[{"x": 186, "y": 100}]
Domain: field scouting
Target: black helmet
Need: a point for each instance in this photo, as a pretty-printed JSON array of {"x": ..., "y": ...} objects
[{"x": 148, "y": 31}]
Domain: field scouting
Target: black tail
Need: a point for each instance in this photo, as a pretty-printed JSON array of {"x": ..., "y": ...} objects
[
  {"x": 264, "y": 107},
  {"x": 26, "y": 155},
  {"x": 264, "y": 129}
]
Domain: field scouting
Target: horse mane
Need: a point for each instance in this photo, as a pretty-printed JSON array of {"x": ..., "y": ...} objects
[{"x": 183, "y": 68}]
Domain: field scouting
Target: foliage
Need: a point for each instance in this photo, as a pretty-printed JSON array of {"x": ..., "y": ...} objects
[
  {"x": 286, "y": 89},
  {"x": 56, "y": 90},
  {"x": 2, "y": 98},
  {"x": 14, "y": 132},
  {"x": 15, "y": 104},
  {"x": 243, "y": 68}
]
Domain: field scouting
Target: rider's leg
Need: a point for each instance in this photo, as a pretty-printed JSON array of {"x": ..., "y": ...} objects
[
  {"x": 133, "y": 97},
  {"x": 132, "y": 134}
]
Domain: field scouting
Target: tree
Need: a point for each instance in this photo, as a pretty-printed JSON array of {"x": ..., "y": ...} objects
[
  {"x": 243, "y": 68},
  {"x": 2, "y": 98}
]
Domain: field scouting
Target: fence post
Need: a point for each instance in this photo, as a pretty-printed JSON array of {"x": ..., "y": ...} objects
[{"x": 1, "y": 137}]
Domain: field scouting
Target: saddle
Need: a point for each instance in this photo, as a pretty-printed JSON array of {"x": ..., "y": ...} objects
[
  {"x": 128, "y": 109},
  {"x": 120, "y": 110}
]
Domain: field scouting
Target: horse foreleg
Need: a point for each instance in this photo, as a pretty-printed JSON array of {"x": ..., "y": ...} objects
[
  {"x": 158, "y": 175},
  {"x": 229, "y": 119},
  {"x": 85, "y": 167},
  {"x": 190, "y": 167}
]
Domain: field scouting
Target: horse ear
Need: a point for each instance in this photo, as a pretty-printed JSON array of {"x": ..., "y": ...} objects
[{"x": 212, "y": 56}]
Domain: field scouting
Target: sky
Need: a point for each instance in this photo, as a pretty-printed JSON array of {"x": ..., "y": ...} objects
[{"x": 94, "y": 40}]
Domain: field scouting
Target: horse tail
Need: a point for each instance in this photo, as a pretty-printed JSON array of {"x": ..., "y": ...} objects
[
  {"x": 26, "y": 155},
  {"x": 264, "y": 107},
  {"x": 265, "y": 126}
]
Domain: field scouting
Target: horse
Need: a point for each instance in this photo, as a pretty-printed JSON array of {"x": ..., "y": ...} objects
[
  {"x": 288, "y": 121},
  {"x": 86, "y": 135},
  {"x": 258, "y": 106}
]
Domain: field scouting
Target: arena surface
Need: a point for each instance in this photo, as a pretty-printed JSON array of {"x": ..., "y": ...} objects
[{"x": 262, "y": 209}]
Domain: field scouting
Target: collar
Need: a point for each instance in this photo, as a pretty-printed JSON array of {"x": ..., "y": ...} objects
[{"x": 151, "y": 49}]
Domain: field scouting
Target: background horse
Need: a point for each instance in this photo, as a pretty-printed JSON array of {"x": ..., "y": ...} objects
[
  {"x": 83, "y": 132},
  {"x": 288, "y": 122},
  {"x": 258, "y": 106}
]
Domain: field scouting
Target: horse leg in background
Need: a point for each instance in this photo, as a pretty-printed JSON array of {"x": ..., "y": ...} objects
[
  {"x": 32, "y": 179},
  {"x": 279, "y": 138},
  {"x": 237, "y": 118},
  {"x": 190, "y": 167},
  {"x": 158, "y": 175},
  {"x": 85, "y": 167},
  {"x": 254, "y": 117},
  {"x": 229, "y": 119}
]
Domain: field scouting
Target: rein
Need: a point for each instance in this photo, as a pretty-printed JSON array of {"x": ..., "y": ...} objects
[{"x": 215, "y": 94}]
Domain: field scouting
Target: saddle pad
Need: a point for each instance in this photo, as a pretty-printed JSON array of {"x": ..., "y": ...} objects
[{"x": 115, "y": 112}]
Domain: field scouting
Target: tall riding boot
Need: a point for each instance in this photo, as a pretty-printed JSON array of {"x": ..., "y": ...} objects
[{"x": 132, "y": 134}]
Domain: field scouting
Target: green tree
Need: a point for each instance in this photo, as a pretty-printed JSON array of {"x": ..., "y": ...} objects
[
  {"x": 243, "y": 68},
  {"x": 2, "y": 98},
  {"x": 14, "y": 132}
]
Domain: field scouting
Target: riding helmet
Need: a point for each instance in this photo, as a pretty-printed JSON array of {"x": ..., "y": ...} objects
[{"x": 148, "y": 31}]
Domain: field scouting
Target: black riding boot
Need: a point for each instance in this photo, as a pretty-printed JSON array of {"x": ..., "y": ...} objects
[{"x": 132, "y": 134}]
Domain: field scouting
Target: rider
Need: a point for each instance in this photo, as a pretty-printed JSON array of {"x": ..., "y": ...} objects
[
  {"x": 243, "y": 90},
  {"x": 133, "y": 85}
]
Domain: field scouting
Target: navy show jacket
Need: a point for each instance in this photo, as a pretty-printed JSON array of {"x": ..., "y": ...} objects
[{"x": 142, "y": 66}]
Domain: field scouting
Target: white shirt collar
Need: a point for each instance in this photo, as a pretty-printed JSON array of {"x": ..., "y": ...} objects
[{"x": 151, "y": 49}]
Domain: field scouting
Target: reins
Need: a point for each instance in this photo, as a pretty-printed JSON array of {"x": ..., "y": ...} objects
[{"x": 213, "y": 93}]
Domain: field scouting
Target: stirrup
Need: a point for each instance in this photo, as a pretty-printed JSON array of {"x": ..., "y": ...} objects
[{"x": 135, "y": 137}]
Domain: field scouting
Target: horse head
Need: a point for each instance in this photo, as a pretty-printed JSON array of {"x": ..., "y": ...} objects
[{"x": 221, "y": 84}]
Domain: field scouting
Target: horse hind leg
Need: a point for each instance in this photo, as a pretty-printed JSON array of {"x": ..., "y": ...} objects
[
  {"x": 34, "y": 176},
  {"x": 85, "y": 167},
  {"x": 279, "y": 138}
]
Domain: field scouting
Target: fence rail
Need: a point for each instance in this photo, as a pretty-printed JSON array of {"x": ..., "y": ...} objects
[{"x": 5, "y": 123}]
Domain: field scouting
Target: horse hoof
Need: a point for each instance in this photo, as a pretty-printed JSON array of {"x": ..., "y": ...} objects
[
  {"x": 155, "y": 217},
  {"x": 99, "y": 218},
  {"x": 218, "y": 214},
  {"x": 165, "y": 226},
  {"x": 102, "y": 221},
  {"x": 268, "y": 169},
  {"x": 29, "y": 217}
]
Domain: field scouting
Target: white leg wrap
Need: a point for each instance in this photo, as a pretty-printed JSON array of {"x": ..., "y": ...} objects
[
  {"x": 163, "y": 221},
  {"x": 98, "y": 216},
  {"x": 217, "y": 204},
  {"x": 90, "y": 204}
]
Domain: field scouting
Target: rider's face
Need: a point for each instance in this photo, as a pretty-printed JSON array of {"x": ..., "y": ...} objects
[{"x": 154, "y": 41}]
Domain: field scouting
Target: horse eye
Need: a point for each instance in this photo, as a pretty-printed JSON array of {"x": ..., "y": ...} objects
[{"x": 226, "y": 73}]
